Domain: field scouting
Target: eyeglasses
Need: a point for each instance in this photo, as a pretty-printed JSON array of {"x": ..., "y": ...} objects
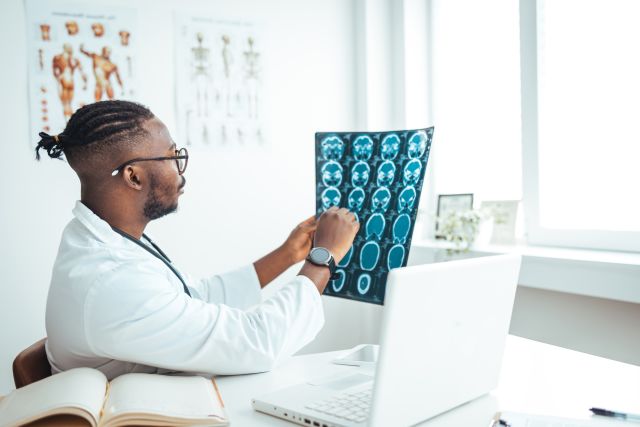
[{"x": 181, "y": 158}]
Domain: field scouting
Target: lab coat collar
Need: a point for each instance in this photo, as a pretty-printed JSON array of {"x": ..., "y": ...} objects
[{"x": 96, "y": 225}]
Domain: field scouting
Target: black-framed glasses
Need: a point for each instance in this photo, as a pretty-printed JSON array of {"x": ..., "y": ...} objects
[{"x": 181, "y": 158}]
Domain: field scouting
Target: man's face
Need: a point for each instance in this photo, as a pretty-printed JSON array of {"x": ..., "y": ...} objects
[{"x": 165, "y": 184}]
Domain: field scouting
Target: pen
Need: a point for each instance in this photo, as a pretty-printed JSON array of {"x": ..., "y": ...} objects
[
  {"x": 498, "y": 422},
  {"x": 607, "y": 413}
]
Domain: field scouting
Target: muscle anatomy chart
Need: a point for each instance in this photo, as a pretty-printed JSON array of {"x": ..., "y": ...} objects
[{"x": 77, "y": 54}]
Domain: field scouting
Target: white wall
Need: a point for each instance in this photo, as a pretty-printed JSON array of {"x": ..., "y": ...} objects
[{"x": 239, "y": 202}]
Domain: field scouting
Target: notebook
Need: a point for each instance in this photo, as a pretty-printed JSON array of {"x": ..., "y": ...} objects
[{"x": 84, "y": 394}]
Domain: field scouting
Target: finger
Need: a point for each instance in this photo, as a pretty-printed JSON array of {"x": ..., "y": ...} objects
[
  {"x": 308, "y": 227},
  {"x": 309, "y": 220},
  {"x": 343, "y": 211}
]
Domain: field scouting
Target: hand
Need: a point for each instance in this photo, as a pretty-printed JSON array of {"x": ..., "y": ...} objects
[
  {"x": 335, "y": 231},
  {"x": 299, "y": 242}
]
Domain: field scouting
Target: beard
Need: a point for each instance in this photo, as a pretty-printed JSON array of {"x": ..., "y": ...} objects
[{"x": 154, "y": 206}]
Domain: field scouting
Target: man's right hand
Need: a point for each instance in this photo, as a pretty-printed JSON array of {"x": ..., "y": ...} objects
[{"x": 337, "y": 227}]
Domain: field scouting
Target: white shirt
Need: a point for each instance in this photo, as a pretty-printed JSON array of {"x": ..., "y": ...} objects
[{"x": 115, "y": 307}]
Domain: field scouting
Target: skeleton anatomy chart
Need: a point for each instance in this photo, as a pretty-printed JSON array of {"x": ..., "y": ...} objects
[
  {"x": 218, "y": 80},
  {"x": 77, "y": 54},
  {"x": 377, "y": 176}
]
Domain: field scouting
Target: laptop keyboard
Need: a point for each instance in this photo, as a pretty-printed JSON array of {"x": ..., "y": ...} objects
[{"x": 352, "y": 406}]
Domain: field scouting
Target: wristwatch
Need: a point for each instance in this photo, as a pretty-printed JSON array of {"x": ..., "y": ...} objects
[{"x": 322, "y": 257}]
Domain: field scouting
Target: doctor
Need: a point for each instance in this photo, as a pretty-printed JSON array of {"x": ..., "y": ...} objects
[{"x": 116, "y": 302}]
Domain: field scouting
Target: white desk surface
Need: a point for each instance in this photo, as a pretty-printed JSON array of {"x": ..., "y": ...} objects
[{"x": 536, "y": 378}]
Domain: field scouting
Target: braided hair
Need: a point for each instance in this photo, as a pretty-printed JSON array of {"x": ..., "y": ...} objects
[{"x": 95, "y": 128}]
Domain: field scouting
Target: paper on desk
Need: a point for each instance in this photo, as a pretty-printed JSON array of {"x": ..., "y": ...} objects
[{"x": 515, "y": 419}]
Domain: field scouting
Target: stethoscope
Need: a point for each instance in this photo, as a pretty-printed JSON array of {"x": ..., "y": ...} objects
[{"x": 156, "y": 253}]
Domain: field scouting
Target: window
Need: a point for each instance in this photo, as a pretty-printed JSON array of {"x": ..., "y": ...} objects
[
  {"x": 476, "y": 98},
  {"x": 581, "y": 104}
]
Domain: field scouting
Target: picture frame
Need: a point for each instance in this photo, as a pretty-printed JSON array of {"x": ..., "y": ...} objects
[
  {"x": 504, "y": 214},
  {"x": 451, "y": 203}
]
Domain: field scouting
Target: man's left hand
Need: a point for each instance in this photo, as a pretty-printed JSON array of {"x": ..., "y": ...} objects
[{"x": 293, "y": 250}]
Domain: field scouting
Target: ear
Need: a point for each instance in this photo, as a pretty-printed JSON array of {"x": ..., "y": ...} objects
[{"x": 133, "y": 177}]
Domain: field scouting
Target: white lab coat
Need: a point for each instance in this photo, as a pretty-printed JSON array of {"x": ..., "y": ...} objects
[{"x": 115, "y": 307}]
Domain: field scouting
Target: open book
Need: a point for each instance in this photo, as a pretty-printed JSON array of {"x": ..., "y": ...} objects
[{"x": 131, "y": 399}]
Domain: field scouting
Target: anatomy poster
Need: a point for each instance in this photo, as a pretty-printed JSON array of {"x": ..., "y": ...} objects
[
  {"x": 77, "y": 54},
  {"x": 219, "y": 79},
  {"x": 377, "y": 176}
]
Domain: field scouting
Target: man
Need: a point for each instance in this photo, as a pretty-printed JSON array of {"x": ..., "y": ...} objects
[
  {"x": 116, "y": 302},
  {"x": 64, "y": 66},
  {"x": 103, "y": 68}
]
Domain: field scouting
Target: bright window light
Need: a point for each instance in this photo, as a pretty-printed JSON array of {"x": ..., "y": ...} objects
[{"x": 588, "y": 112}]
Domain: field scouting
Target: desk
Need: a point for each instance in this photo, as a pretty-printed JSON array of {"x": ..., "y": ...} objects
[{"x": 535, "y": 378}]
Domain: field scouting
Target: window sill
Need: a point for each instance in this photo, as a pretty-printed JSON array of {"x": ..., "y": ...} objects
[{"x": 601, "y": 274}]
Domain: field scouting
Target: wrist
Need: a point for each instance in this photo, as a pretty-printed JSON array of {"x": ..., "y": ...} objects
[
  {"x": 319, "y": 275},
  {"x": 288, "y": 254}
]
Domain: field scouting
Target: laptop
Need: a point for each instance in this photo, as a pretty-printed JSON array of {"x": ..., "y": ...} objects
[{"x": 441, "y": 343}]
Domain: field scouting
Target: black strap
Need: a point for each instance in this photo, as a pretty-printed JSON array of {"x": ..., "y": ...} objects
[{"x": 156, "y": 253}]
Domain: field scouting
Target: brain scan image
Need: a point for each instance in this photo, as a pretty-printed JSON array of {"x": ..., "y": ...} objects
[
  {"x": 364, "y": 283},
  {"x": 347, "y": 258},
  {"x": 411, "y": 172},
  {"x": 379, "y": 177},
  {"x": 390, "y": 147},
  {"x": 387, "y": 173},
  {"x": 360, "y": 174},
  {"x": 330, "y": 197},
  {"x": 375, "y": 226},
  {"x": 369, "y": 255},
  {"x": 417, "y": 144},
  {"x": 332, "y": 174},
  {"x": 401, "y": 227},
  {"x": 380, "y": 200},
  {"x": 395, "y": 258},
  {"x": 332, "y": 148},
  {"x": 356, "y": 199},
  {"x": 362, "y": 147},
  {"x": 406, "y": 199},
  {"x": 337, "y": 281}
]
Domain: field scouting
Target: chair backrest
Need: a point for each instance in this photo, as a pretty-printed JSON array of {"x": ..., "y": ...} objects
[{"x": 31, "y": 365}]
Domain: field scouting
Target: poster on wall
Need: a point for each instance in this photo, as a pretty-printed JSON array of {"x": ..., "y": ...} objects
[
  {"x": 219, "y": 78},
  {"x": 378, "y": 176},
  {"x": 77, "y": 54}
]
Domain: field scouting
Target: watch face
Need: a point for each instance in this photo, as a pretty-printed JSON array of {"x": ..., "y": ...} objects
[{"x": 320, "y": 255}]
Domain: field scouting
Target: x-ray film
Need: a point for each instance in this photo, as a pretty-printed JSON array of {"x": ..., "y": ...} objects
[{"x": 378, "y": 176}]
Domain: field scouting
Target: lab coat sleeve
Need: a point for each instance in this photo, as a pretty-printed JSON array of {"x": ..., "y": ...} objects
[
  {"x": 137, "y": 317},
  {"x": 239, "y": 288}
]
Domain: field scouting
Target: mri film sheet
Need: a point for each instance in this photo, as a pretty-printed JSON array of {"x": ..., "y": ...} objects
[{"x": 378, "y": 176}]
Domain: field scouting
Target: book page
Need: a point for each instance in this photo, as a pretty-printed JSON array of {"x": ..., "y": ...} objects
[
  {"x": 82, "y": 388},
  {"x": 168, "y": 396}
]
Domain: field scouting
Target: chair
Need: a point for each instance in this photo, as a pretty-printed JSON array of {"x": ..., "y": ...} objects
[{"x": 31, "y": 365}]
